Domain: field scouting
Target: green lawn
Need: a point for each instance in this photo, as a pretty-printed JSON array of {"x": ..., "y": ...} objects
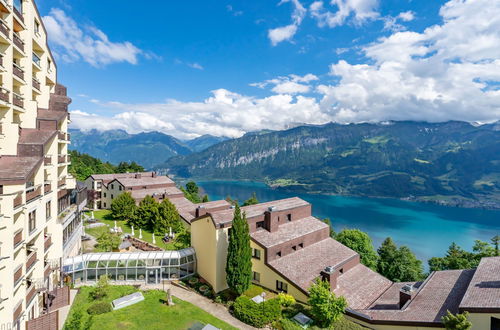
[
  {"x": 147, "y": 314},
  {"x": 104, "y": 216}
]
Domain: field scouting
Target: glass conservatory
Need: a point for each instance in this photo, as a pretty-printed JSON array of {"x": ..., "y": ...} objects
[{"x": 145, "y": 267}]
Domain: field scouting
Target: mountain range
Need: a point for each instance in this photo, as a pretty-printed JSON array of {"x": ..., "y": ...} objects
[
  {"x": 147, "y": 149},
  {"x": 455, "y": 163}
]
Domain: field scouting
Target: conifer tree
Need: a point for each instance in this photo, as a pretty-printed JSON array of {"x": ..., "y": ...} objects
[
  {"x": 123, "y": 207},
  {"x": 146, "y": 214},
  {"x": 239, "y": 254}
]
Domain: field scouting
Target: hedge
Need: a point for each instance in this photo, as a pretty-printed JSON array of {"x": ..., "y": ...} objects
[
  {"x": 99, "y": 308},
  {"x": 257, "y": 315}
]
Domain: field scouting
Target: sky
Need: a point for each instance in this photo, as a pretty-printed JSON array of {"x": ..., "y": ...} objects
[{"x": 226, "y": 67}]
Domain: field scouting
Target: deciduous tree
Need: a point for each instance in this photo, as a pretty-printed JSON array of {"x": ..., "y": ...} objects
[
  {"x": 123, "y": 207},
  {"x": 325, "y": 306},
  {"x": 168, "y": 218},
  {"x": 361, "y": 243},
  {"x": 252, "y": 200},
  {"x": 398, "y": 264},
  {"x": 457, "y": 321}
]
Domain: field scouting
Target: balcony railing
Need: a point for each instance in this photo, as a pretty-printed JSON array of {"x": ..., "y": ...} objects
[
  {"x": 18, "y": 311},
  {"x": 18, "y": 14},
  {"x": 31, "y": 261},
  {"x": 18, "y": 100},
  {"x": 47, "y": 160},
  {"x": 18, "y": 72},
  {"x": 61, "y": 182},
  {"x": 62, "y": 159},
  {"x": 18, "y": 42},
  {"x": 47, "y": 243},
  {"x": 47, "y": 187},
  {"x": 4, "y": 94},
  {"x": 62, "y": 136},
  {"x": 33, "y": 193},
  {"x": 4, "y": 28},
  {"x": 18, "y": 238},
  {"x": 31, "y": 294},
  {"x": 18, "y": 275},
  {"x": 1, "y": 60},
  {"x": 37, "y": 60},
  {"x": 36, "y": 83},
  {"x": 47, "y": 270},
  {"x": 18, "y": 200}
]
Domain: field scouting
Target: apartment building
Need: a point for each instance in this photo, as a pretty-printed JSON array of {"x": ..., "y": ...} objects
[
  {"x": 35, "y": 185},
  {"x": 291, "y": 248}
]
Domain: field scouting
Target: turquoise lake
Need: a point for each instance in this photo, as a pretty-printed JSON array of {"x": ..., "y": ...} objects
[{"x": 428, "y": 229}]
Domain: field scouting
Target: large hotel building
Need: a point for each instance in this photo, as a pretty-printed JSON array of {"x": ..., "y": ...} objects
[{"x": 39, "y": 225}]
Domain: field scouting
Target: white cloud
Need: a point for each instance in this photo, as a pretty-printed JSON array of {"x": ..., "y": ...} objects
[
  {"x": 359, "y": 10},
  {"x": 392, "y": 23},
  {"x": 287, "y": 32},
  {"x": 195, "y": 66},
  {"x": 73, "y": 43},
  {"x": 231, "y": 9},
  {"x": 450, "y": 71},
  {"x": 407, "y": 16}
]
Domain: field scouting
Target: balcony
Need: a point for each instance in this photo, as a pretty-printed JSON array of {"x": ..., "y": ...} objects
[
  {"x": 18, "y": 200},
  {"x": 47, "y": 188},
  {"x": 18, "y": 239},
  {"x": 31, "y": 294},
  {"x": 18, "y": 100},
  {"x": 18, "y": 311},
  {"x": 36, "y": 83},
  {"x": 37, "y": 60},
  {"x": 18, "y": 275},
  {"x": 4, "y": 29},
  {"x": 33, "y": 193},
  {"x": 1, "y": 60},
  {"x": 31, "y": 261},
  {"x": 63, "y": 159},
  {"x": 18, "y": 14},
  {"x": 4, "y": 94},
  {"x": 18, "y": 42},
  {"x": 47, "y": 243},
  {"x": 47, "y": 270},
  {"x": 61, "y": 182},
  {"x": 47, "y": 161},
  {"x": 18, "y": 72}
]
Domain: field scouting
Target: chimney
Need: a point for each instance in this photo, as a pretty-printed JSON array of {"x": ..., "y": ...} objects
[
  {"x": 137, "y": 175},
  {"x": 200, "y": 211},
  {"x": 406, "y": 294},
  {"x": 271, "y": 220},
  {"x": 330, "y": 275}
]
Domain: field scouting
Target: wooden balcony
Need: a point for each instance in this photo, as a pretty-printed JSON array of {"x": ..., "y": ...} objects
[
  {"x": 18, "y": 200},
  {"x": 61, "y": 182},
  {"x": 18, "y": 239},
  {"x": 47, "y": 160},
  {"x": 47, "y": 270},
  {"x": 4, "y": 95},
  {"x": 47, "y": 188},
  {"x": 4, "y": 29},
  {"x": 18, "y": 72},
  {"x": 18, "y": 275},
  {"x": 33, "y": 193},
  {"x": 47, "y": 243},
  {"x": 36, "y": 83},
  {"x": 62, "y": 136},
  {"x": 18, "y": 312},
  {"x": 31, "y": 261},
  {"x": 31, "y": 294},
  {"x": 18, "y": 42}
]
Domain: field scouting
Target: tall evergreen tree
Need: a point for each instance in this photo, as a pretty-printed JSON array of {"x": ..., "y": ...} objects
[
  {"x": 168, "y": 217},
  {"x": 239, "y": 254},
  {"x": 123, "y": 207},
  {"x": 146, "y": 214},
  {"x": 398, "y": 264},
  {"x": 496, "y": 243},
  {"x": 252, "y": 200}
]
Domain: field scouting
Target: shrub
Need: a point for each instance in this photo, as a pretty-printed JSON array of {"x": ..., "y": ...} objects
[
  {"x": 253, "y": 290},
  {"x": 218, "y": 300},
  {"x": 257, "y": 315},
  {"x": 99, "y": 308},
  {"x": 286, "y": 300},
  {"x": 101, "y": 289},
  {"x": 287, "y": 324}
]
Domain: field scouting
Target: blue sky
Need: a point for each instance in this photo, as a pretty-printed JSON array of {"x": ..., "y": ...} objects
[{"x": 227, "y": 67}]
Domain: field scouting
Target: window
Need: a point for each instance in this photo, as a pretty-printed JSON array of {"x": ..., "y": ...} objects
[
  {"x": 256, "y": 277},
  {"x": 32, "y": 221},
  {"x": 341, "y": 271},
  {"x": 301, "y": 245},
  {"x": 278, "y": 254},
  {"x": 289, "y": 217},
  {"x": 256, "y": 253},
  {"x": 495, "y": 323},
  {"x": 104, "y": 205},
  {"x": 281, "y": 287},
  {"x": 48, "y": 208},
  {"x": 98, "y": 185},
  {"x": 37, "y": 27},
  {"x": 112, "y": 186},
  {"x": 49, "y": 67},
  {"x": 294, "y": 247},
  {"x": 104, "y": 195},
  {"x": 18, "y": 4},
  {"x": 120, "y": 188},
  {"x": 112, "y": 196},
  {"x": 260, "y": 224}
]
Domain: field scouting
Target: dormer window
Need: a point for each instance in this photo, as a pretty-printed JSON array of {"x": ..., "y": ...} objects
[
  {"x": 289, "y": 217},
  {"x": 278, "y": 254}
]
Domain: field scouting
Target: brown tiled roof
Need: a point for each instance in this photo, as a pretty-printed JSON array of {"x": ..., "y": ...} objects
[
  {"x": 361, "y": 286},
  {"x": 288, "y": 231},
  {"x": 390, "y": 298},
  {"x": 442, "y": 291},
  {"x": 145, "y": 181},
  {"x": 51, "y": 115},
  {"x": 484, "y": 288},
  {"x": 35, "y": 136},
  {"x": 226, "y": 216},
  {"x": 305, "y": 265},
  {"x": 110, "y": 177},
  {"x": 15, "y": 168},
  {"x": 168, "y": 191},
  {"x": 187, "y": 209}
]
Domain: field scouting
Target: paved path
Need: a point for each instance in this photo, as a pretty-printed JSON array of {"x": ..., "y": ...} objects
[
  {"x": 64, "y": 311},
  {"x": 204, "y": 303}
]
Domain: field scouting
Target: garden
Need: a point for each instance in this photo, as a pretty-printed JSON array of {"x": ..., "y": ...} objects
[{"x": 92, "y": 309}]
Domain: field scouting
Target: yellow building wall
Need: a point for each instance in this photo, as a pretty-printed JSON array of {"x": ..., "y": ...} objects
[
  {"x": 204, "y": 241},
  {"x": 482, "y": 321},
  {"x": 268, "y": 277}
]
